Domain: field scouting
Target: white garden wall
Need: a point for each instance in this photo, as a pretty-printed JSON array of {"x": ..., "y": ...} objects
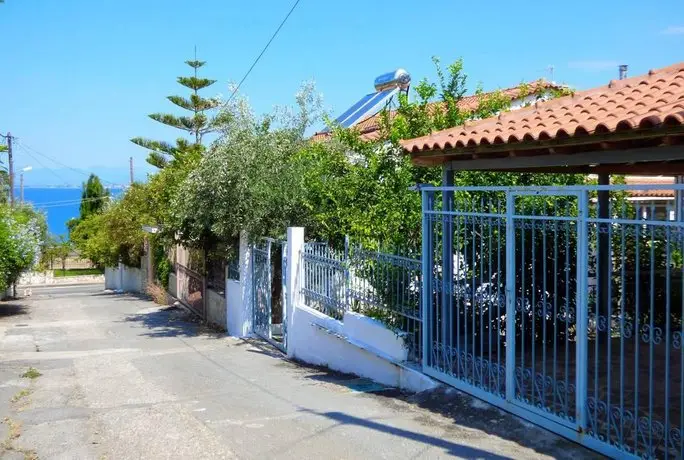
[
  {"x": 48, "y": 278},
  {"x": 125, "y": 278},
  {"x": 357, "y": 345}
]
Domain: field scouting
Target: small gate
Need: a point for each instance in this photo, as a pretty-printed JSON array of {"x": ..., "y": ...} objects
[
  {"x": 563, "y": 305},
  {"x": 269, "y": 265},
  {"x": 191, "y": 289}
]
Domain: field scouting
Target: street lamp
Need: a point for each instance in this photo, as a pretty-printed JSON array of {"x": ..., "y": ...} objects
[{"x": 21, "y": 182}]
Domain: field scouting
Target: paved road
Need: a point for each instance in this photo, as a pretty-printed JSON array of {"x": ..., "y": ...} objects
[{"x": 123, "y": 378}]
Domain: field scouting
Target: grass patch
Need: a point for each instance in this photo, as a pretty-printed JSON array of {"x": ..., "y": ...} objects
[
  {"x": 77, "y": 272},
  {"x": 20, "y": 395},
  {"x": 31, "y": 373}
]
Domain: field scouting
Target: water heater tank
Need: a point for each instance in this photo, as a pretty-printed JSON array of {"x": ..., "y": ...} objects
[{"x": 397, "y": 79}]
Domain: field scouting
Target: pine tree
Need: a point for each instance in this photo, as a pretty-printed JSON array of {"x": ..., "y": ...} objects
[
  {"x": 93, "y": 197},
  {"x": 197, "y": 124}
]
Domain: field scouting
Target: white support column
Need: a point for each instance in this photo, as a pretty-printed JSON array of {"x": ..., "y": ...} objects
[
  {"x": 239, "y": 314},
  {"x": 295, "y": 246},
  {"x": 121, "y": 277},
  {"x": 226, "y": 296}
]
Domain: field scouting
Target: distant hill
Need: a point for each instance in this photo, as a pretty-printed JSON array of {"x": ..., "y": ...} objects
[{"x": 64, "y": 177}]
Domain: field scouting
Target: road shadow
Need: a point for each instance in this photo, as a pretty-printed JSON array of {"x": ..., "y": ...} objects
[
  {"x": 12, "y": 308},
  {"x": 261, "y": 347},
  {"x": 172, "y": 321},
  {"x": 450, "y": 447},
  {"x": 460, "y": 409},
  {"x": 123, "y": 296},
  {"x": 466, "y": 411}
]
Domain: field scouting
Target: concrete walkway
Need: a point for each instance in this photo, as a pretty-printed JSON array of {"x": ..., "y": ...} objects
[{"x": 122, "y": 378}]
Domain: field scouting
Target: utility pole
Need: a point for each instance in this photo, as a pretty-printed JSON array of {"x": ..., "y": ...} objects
[
  {"x": 131, "y": 168},
  {"x": 11, "y": 168}
]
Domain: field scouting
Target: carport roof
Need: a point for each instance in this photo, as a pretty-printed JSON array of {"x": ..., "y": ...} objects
[{"x": 630, "y": 125}]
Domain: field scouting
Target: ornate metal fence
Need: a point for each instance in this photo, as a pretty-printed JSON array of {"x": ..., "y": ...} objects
[
  {"x": 563, "y": 305},
  {"x": 269, "y": 265},
  {"x": 380, "y": 285}
]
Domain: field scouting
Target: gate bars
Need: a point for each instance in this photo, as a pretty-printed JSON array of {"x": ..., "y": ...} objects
[{"x": 563, "y": 305}]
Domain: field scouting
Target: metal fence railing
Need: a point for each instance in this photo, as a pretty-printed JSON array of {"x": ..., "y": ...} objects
[
  {"x": 564, "y": 304},
  {"x": 379, "y": 285},
  {"x": 233, "y": 270}
]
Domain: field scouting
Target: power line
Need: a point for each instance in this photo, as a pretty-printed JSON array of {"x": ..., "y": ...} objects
[
  {"x": 58, "y": 204},
  {"x": 25, "y": 150},
  {"x": 263, "y": 51},
  {"x": 80, "y": 171}
]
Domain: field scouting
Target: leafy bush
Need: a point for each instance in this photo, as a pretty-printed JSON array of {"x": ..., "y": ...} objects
[{"x": 22, "y": 231}]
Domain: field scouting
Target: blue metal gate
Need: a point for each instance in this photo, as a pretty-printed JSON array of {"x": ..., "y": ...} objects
[
  {"x": 563, "y": 305},
  {"x": 269, "y": 291}
]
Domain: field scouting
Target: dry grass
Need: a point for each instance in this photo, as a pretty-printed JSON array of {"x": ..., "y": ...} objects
[
  {"x": 157, "y": 293},
  {"x": 20, "y": 395},
  {"x": 14, "y": 433}
]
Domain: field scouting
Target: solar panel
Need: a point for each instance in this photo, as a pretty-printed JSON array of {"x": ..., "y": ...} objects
[
  {"x": 368, "y": 105},
  {"x": 371, "y": 107},
  {"x": 354, "y": 108}
]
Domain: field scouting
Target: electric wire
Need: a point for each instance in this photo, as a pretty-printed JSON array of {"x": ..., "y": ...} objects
[{"x": 262, "y": 52}]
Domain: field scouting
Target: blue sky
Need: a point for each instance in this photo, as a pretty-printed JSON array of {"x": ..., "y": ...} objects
[{"x": 78, "y": 77}]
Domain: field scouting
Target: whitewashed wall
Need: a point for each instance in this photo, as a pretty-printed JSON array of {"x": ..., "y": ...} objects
[
  {"x": 48, "y": 278},
  {"x": 125, "y": 278},
  {"x": 357, "y": 345}
]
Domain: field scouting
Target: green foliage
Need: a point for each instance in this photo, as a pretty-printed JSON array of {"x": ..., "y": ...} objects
[
  {"x": 197, "y": 124},
  {"x": 162, "y": 265},
  {"x": 116, "y": 235},
  {"x": 22, "y": 231},
  {"x": 246, "y": 183},
  {"x": 78, "y": 272},
  {"x": 363, "y": 188},
  {"x": 94, "y": 197}
]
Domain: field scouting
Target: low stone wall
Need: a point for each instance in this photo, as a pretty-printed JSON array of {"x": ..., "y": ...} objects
[
  {"x": 215, "y": 305},
  {"x": 48, "y": 278}
]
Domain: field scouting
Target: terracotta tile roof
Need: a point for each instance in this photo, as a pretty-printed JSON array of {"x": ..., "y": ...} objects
[
  {"x": 369, "y": 127},
  {"x": 633, "y": 104},
  {"x": 650, "y": 180},
  {"x": 647, "y": 180}
]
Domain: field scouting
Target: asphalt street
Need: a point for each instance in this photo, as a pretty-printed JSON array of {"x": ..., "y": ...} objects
[{"x": 87, "y": 374}]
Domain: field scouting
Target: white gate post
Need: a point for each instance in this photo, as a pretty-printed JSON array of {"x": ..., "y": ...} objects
[
  {"x": 239, "y": 316},
  {"x": 295, "y": 245}
]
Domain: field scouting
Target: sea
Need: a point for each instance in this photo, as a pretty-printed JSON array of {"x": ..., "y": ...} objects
[{"x": 58, "y": 203}]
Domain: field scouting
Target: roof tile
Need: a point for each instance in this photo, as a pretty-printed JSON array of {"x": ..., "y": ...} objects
[{"x": 644, "y": 101}]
